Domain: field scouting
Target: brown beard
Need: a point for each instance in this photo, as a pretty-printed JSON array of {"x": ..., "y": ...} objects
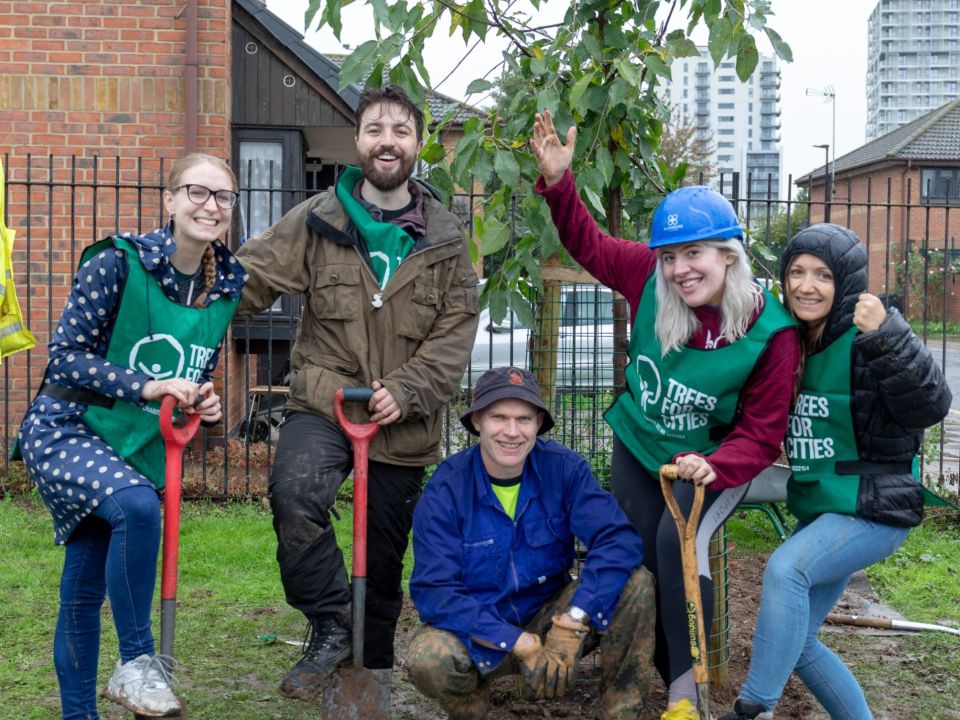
[{"x": 386, "y": 181}]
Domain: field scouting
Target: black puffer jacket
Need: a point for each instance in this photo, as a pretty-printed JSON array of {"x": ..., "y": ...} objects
[{"x": 898, "y": 388}]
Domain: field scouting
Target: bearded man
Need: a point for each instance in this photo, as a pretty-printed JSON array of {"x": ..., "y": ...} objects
[{"x": 391, "y": 304}]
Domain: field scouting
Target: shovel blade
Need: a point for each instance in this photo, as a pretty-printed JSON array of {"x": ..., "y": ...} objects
[{"x": 358, "y": 694}]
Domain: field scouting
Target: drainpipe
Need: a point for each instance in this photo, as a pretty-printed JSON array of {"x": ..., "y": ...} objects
[{"x": 190, "y": 89}]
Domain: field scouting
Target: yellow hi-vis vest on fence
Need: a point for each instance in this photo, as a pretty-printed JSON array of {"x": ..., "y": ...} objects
[{"x": 14, "y": 337}]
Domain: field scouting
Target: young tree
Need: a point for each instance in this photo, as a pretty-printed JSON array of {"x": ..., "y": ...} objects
[
  {"x": 683, "y": 144},
  {"x": 598, "y": 68}
]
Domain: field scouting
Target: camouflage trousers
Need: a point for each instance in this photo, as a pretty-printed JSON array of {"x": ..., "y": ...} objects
[{"x": 441, "y": 668}]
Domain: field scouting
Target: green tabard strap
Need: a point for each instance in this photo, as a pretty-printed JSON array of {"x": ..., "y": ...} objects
[
  {"x": 682, "y": 401},
  {"x": 175, "y": 341},
  {"x": 387, "y": 244}
]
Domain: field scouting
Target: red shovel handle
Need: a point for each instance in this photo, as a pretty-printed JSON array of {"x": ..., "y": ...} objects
[
  {"x": 173, "y": 435},
  {"x": 174, "y": 440}
]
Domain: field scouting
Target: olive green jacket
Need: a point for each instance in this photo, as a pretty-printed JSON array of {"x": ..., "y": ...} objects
[{"x": 415, "y": 336}]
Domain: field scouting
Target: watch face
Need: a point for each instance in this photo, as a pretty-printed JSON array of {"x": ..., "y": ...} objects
[{"x": 576, "y": 613}]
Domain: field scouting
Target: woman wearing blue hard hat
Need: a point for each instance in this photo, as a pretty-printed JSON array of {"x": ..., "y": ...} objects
[{"x": 709, "y": 388}]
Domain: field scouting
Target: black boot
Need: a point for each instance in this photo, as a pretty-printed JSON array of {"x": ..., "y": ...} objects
[
  {"x": 748, "y": 710},
  {"x": 327, "y": 648}
]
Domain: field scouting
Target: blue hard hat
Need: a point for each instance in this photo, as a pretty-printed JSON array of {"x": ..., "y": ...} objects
[{"x": 693, "y": 213}]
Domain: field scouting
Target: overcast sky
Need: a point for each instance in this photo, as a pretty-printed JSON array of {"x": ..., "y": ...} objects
[{"x": 828, "y": 38}]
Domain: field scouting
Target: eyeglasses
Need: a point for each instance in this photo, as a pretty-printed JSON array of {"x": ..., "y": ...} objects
[{"x": 199, "y": 194}]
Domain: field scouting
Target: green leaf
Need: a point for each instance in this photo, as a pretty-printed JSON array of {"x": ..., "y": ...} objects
[
  {"x": 719, "y": 40},
  {"x": 433, "y": 152},
  {"x": 479, "y": 86},
  {"x": 683, "y": 47},
  {"x": 747, "y": 57},
  {"x": 656, "y": 66},
  {"x": 521, "y": 306},
  {"x": 548, "y": 100},
  {"x": 604, "y": 162},
  {"x": 628, "y": 71},
  {"x": 577, "y": 91},
  {"x": 402, "y": 74},
  {"x": 592, "y": 45},
  {"x": 506, "y": 167},
  {"x": 358, "y": 63},
  {"x": 782, "y": 50},
  {"x": 617, "y": 92},
  {"x": 493, "y": 235}
]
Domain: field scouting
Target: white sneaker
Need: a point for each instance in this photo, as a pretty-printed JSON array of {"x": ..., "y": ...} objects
[{"x": 143, "y": 685}]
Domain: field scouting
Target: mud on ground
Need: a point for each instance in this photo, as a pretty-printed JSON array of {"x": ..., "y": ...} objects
[{"x": 746, "y": 571}]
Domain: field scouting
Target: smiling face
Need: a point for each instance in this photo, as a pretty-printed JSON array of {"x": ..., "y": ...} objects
[
  {"x": 198, "y": 224},
  {"x": 810, "y": 288},
  {"x": 697, "y": 271},
  {"x": 387, "y": 145},
  {"x": 508, "y": 430}
]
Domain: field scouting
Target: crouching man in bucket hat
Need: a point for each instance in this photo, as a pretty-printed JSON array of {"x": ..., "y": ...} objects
[{"x": 493, "y": 539}]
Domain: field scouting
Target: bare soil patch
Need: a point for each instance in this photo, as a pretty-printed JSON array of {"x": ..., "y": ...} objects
[{"x": 746, "y": 572}]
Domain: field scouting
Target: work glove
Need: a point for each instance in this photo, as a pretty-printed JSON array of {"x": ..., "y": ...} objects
[
  {"x": 533, "y": 665},
  {"x": 562, "y": 651}
]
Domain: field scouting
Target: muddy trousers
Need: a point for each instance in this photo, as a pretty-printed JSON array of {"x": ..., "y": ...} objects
[
  {"x": 313, "y": 459},
  {"x": 441, "y": 668}
]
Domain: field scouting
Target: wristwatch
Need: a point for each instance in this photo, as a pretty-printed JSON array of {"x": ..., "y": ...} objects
[{"x": 576, "y": 614}]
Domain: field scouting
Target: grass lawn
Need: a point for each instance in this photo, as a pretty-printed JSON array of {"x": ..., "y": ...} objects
[{"x": 232, "y": 620}]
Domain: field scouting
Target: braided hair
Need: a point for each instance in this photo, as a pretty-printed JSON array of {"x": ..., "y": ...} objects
[{"x": 209, "y": 264}]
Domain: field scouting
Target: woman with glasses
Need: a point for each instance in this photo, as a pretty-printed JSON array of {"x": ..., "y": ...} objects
[{"x": 144, "y": 319}]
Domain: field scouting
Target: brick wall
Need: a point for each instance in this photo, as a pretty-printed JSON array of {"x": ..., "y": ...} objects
[
  {"x": 100, "y": 87},
  {"x": 883, "y": 206}
]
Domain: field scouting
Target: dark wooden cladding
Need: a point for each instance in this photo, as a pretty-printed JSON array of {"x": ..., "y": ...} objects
[{"x": 261, "y": 98}]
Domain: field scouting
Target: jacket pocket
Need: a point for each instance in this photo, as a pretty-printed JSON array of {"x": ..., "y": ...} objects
[
  {"x": 417, "y": 321},
  {"x": 483, "y": 564},
  {"x": 335, "y": 295},
  {"x": 551, "y": 548}
]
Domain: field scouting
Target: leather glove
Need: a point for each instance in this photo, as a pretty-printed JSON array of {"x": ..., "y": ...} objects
[
  {"x": 532, "y": 667},
  {"x": 562, "y": 651}
]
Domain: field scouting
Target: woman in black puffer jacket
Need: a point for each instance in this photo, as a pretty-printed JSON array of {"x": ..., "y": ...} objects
[{"x": 868, "y": 389}]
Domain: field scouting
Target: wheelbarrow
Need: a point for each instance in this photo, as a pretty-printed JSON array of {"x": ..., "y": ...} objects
[
  {"x": 687, "y": 530},
  {"x": 356, "y": 692},
  {"x": 174, "y": 439}
]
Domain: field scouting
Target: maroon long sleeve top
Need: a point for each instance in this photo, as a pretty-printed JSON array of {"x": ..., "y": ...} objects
[{"x": 624, "y": 265}]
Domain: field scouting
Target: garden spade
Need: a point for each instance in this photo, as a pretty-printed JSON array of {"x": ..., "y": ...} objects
[
  {"x": 174, "y": 440},
  {"x": 687, "y": 529},
  {"x": 357, "y": 692}
]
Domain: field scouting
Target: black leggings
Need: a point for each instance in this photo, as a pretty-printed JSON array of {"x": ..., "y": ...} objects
[{"x": 640, "y": 497}]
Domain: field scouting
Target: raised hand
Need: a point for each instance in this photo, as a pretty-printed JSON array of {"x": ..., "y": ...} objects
[
  {"x": 869, "y": 313},
  {"x": 553, "y": 158}
]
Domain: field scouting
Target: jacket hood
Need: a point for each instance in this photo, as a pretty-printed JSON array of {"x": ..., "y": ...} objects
[{"x": 841, "y": 250}]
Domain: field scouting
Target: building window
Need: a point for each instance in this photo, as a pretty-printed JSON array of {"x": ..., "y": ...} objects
[
  {"x": 725, "y": 91},
  {"x": 725, "y": 106},
  {"x": 940, "y": 185}
]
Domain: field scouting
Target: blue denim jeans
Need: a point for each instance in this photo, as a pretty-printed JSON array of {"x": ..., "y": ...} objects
[
  {"x": 113, "y": 552},
  {"x": 802, "y": 581}
]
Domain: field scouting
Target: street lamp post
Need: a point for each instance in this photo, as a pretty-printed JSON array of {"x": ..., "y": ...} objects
[
  {"x": 827, "y": 182},
  {"x": 830, "y": 96}
]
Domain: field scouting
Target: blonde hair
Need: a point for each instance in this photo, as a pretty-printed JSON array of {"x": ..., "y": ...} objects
[
  {"x": 676, "y": 322},
  {"x": 188, "y": 161}
]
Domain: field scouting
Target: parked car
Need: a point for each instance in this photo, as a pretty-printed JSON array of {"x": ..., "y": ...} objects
[{"x": 585, "y": 350}]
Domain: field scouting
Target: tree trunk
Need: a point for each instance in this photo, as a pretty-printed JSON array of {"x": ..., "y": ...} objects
[{"x": 620, "y": 328}]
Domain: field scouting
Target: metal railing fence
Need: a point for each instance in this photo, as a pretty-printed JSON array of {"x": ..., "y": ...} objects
[{"x": 60, "y": 205}]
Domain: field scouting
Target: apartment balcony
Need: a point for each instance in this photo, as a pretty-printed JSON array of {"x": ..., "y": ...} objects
[{"x": 775, "y": 111}]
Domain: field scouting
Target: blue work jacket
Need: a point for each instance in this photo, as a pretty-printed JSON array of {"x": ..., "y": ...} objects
[{"x": 482, "y": 576}]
